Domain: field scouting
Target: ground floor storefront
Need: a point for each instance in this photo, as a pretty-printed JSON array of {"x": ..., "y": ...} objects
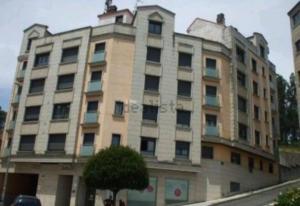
[{"x": 62, "y": 184}]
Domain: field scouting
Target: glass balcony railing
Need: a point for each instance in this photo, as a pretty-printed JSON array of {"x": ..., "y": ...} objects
[
  {"x": 21, "y": 74},
  {"x": 16, "y": 99},
  {"x": 211, "y": 72},
  {"x": 98, "y": 57},
  {"x": 91, "y": 118},
  {"x": 212, "y": 100},
  {"x": 11, "y": 125},
  {"x": 95, "y": 86},
  {"x": 87, "y": 150},
  {"x": 211, "y": 130},
  {"x": 6, "y": 152}
]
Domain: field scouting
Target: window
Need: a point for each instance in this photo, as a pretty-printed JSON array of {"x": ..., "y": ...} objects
[
  {"x": 235, "y": 187},
  {"x": 119, "y": 19},
  {"x": 185, "y": 60},
  {"x": 182, "y": 150},
  {"x": 153, "y": 54},
  {"x": 176, "y": 192},
  {"x": 211, "y": 91},
  {"x": 56, "y": 142},
  {"x": 69, "y": 54},
  {"x": 211, "y": 63},
  {"x": 262, "y": 51},
  {"x": 150, "y": 113},
  {"x": 14, "y": 116},
  {"x": 29, "y": 42},
  {"x": 250, "y": 164},
  {"x": 207, "y": 152},
  {"x": 271, "y": 168},
  {"x": 235, "y": 158},
  {"x": 263, "y": 71},
  {"x": 297, "y": 45},
  {"x": 267, "y": 141},
  {"x": 151, "y": 83},
  {"x": 266, "y": 116},
  {"x": 183, "y": 118},
  {"x": 255, "y": 88},
  {"x": 270, "y": 78},
  {"x": 19, "y": 90},
  {"x": 257, "y": 138},
  {"x": 61, "y": 111},
  {"x": 256, "y": 112},
  {"x": 24, "y": 65},
  {"x": 36, "y": 86},
  {"x": 211, "y": 120},
  {"x": 27, "y": 143},
  {"x": 184, "y": 88},
  {"x": 32, "y": 113},
  {"x": 296, "y": 19},
  {"x": 92, "y": 106},
  {"x": 265, "y": 93},
  {"x": 88, "y": 139},
  {"x": 254, "y": 66},
  {"x": 155, "y": 27},
  {"x": 241, "y": 77},
  {"x": 99, "y": 48},
  {"x": 240, "y": 54},
  {"x": 41, "y": 59},
  {"x": 261, "y": 165},
  {"x": 65, "y": 82},
  {"x": 9, "y": 141},
  {"x": 148, "y": 146},
  {"x": 242, "y": 104},
  {"x": 96, "y": 76},
  {"x": 115, "y": 140},
  {"x": 119, "y": 108},
  {"x": 243, "y": 131}
]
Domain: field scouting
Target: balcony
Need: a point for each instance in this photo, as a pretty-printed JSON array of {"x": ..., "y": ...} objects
[
  {"x": 272, "y": 85},
  {"x": 95, "y": 87},
  {"x": 87, "y": 150},
  {"x": 6, "y": 152},
  {"x": 273, "y": 106},
  {"x": 211, "y": 130},
  {"x": 21, "y": 74},
  {"x": 91, "y": 119},
  {"x": 212, "y": 101},
  {"x": 11, "y": 125},
  {"x": 16, "y": 99},
  {"x": 211, "y": 73},
  {"x": 98, "y": 58}
]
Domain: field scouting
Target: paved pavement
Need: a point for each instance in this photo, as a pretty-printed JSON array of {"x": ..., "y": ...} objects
[{"x": 263, "y": 197}]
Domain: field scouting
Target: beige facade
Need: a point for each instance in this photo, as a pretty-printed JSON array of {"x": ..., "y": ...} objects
[
  {"x": 294, "y": 15},
  {"x": 91, "y": 87}
]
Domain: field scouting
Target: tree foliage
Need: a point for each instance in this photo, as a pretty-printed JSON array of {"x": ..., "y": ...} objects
[
  {"x": 287, "y": 105},
  {"x": 289, "y": 198},
  {"x": 2, "y": 118},
  {"x": 115, "y": 169}
]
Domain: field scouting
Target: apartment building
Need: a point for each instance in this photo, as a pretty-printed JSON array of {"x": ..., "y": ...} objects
[
  {"x": 200, "y": 107},
  {"x": 294, "y": 15}
]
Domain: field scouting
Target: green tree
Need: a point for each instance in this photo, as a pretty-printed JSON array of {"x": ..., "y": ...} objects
[
  {"x": 282, "y": 87},
  {"x": 116, "y": 168},
  {"x": 292, "y": 111},
  {"x": 2, "y": 118}
]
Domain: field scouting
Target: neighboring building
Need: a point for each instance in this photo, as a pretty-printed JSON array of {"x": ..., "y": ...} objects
[
  {"x": 201, "y": 107},
  {"x": 294, "y": 15}
]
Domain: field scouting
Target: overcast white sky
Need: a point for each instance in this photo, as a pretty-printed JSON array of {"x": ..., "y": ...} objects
[{"x": 268, "y": 17}]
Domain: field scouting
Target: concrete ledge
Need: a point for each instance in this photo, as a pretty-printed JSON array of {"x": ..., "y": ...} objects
[{"x": 243, "y": 195}]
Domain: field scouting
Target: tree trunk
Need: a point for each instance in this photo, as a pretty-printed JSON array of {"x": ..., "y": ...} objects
[{"x": 115, "y": 198}]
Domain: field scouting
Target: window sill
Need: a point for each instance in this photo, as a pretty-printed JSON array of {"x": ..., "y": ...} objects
[
  {"x": 152, "y": 92},
  {"x": 153, "y": 63},
  {"x": 183, "y": 128},
  {"x": 40, "y": 67},
  {"x": 59, "y": 120},
  {"x": 182, "y": 160},
  {"x": 149, "y": 123},
  {"x": 35, "y": 94},
  {"x": 186, "y": 69},
  {"x": 68, "y": 62},
  {"x": 148, "y": 156},
  {"x": 63, "y": 90},
  {"x": 118, "y": 116},
  {"x": 30, "y": 122},
  {"x": 189, "y": 98}
]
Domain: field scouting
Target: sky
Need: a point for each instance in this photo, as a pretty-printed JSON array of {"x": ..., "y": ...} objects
[{"x": 268, "y": 17}]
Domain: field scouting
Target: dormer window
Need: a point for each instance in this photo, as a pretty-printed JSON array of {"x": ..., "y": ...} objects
[
  {"x": 119, "y": 19},
  {"x": 155, "y": 27}
]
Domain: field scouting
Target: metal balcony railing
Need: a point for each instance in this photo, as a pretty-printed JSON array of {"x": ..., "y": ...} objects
[
  {"x": 91, "y": 117},
  {"x": 87, "y": 150}
]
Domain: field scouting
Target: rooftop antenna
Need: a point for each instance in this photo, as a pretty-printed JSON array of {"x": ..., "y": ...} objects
[{"x": 108, "y": 4}]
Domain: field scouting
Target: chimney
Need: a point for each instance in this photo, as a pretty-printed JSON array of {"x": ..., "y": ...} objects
[{"x": 221, "y": 19}]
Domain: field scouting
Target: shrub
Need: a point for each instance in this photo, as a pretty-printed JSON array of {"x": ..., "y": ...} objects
[{"x": 289, "y": 198}]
